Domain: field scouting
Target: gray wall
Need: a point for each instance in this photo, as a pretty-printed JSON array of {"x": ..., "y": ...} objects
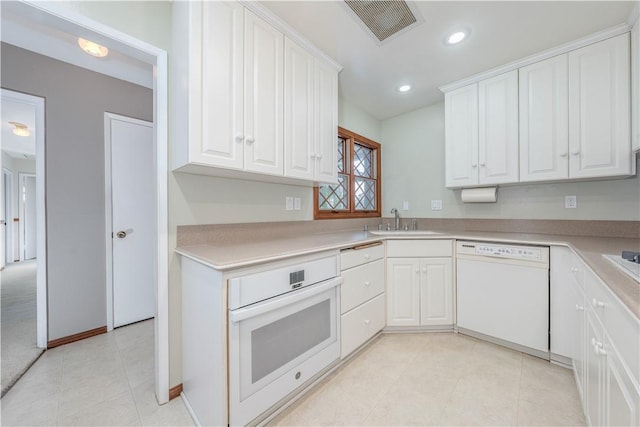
[{"x": 75, "y": 103}]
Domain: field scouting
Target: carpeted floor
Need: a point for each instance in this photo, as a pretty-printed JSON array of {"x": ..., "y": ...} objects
[{"x": 18, "y": 304}]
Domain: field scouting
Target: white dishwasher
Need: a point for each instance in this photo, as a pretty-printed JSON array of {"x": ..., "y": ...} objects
[{"x": 503, "y": 294}]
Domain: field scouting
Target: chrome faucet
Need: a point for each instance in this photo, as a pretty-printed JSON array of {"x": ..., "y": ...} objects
[{"x": 397, "y": 218}]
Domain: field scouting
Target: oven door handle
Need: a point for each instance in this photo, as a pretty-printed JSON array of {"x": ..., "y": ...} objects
[{"x": 282, "y": 301}]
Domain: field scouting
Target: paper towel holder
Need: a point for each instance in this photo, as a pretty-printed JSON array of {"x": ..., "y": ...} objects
[{"x": 479, "y": 195}]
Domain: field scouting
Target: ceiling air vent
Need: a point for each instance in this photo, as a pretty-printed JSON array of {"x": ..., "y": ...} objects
[{"x": 385, "y": 19}]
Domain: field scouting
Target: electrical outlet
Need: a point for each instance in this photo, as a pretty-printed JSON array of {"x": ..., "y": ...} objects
[
  {"x": 436, "y": 205},
  {"x": 570, "y": 202},
  {"x": 288, "y": 203},
  {"x": 296, "y": 204},
  {"x": 405, "y": 205}
]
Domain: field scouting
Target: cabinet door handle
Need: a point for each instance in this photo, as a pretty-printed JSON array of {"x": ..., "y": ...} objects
[
  {"x": 239, "y": 138},
  {"x": 319, "y": 157},
  {"x": 564, "y": 154},
  {"x": 474, "y": 165},
  {"x": 367, "y": 283},
  {"x": 313, "y": 156},
  {"x": 597, "y": 304},
  {"x": 367, "y": 322},
  {"x": 575, "y": 269},
  {"x": 483, "y": 165},
  {"x": 575, "y": 153},
  {"x": 579, "y": 307},
  {"x": 250, "y": 140}
]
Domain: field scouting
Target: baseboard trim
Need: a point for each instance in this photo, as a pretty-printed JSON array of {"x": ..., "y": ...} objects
[
  {"x": 175, "y": 391},
  {"x": 77, "y": 337}
]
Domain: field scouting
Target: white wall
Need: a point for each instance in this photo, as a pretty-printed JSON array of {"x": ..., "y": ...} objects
[
  {"x": 355, "y": 119},
  {"x": 413, "y": 170}
]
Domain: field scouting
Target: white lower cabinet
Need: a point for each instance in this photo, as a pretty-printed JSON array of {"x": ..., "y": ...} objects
[
  {"x": 419, "y": 288},
  {"x": 361, "y": 296},
  {"x": 361, "y": 323},
  {"x": 593, "y": 329}
]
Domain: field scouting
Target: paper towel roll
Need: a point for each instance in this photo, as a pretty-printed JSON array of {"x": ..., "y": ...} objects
[{"x": 480, "y": 195}]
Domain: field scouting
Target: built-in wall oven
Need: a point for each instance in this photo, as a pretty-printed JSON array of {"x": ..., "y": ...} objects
[{"x": 283, "y": 331}]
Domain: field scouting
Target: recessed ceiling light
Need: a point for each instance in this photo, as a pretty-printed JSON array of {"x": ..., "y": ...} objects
[
  {"x": 456, "y": 37},
  {"x": 404, "y": 88},
  {"x": 93, "y": 49},
  {"x": 20, "y": 129}
]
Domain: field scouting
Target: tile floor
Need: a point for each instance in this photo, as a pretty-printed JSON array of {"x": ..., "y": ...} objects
[
  {"x": 440, "y": 379},
  {"x": 104, "y": 380},
  {"x": 401, "y": 379}
]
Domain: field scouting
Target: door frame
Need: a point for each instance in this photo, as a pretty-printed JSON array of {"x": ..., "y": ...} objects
[
  {"x": 41, "y": 223},
  {"x": 7, "y": 205},
  {"x": 21, "y": 177},
  {"x": 49, "y": 12},
  {"x": 108, "y": 205}
]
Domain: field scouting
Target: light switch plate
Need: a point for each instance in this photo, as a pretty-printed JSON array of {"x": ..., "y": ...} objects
[
  {"x": 288, "y": 203},
  {"x": 570, "y": 202},
  {"x": 436, "y": 205},
  {"x": 296, "y": 204},
  {"x": 405, "y": 205}
]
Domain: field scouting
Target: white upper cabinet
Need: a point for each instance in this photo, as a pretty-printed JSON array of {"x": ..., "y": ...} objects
[
  {"x": 498, "y": 129},
  {"x": 544, "y": 120},
  {"x": 263, "y": 88},
  {"x": 558, "y": 117},
  {"x": 326, "y": 123},
  {"x": 311, "y": 125},
  {"x": 247, "y": 98},
  {"x": 599, "y": 114},
  {"x": 299, "y": 112},
  {"x": 209, "y": 133},
  {"x": 461, "y": 134}
]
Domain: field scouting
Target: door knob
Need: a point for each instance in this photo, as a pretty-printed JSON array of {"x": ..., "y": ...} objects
[{"x": 121, "y": 234}]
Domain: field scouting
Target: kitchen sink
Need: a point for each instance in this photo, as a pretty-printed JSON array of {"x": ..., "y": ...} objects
[{"x": 404, "y": 232}]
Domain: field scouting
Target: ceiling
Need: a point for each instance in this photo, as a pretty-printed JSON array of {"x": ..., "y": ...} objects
[{"x": 500, "y": 32}]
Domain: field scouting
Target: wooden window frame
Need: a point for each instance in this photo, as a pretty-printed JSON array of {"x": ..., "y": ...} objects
[{"x": 351, "y": 139}]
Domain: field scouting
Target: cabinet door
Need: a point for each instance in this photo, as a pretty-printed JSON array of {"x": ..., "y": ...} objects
[
  {"x": 635, "y": 86},
  {"x": 623, "y": 397},
  {"x": 461, "y": 136},
  {"x": 216, "y": 124},
  {"x": 436, "y": 291},
  {"x": 562, "y": 302},
  {"x": 403, "y": 292},
  {"x": 326, "y": 125},
  {"x": 263, "y": 109},
  {"x": 577, "y": 340},
  {"x": 594, "y": 370},
  {"x": 544, "y": 120},
  {"x": 599, "y": 134},
  {"x": 498, "y": 129},
  {"x": 299, "y": 112}
]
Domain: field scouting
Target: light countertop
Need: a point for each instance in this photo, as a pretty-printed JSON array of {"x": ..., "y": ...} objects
[{"x": 233, "y": 255}]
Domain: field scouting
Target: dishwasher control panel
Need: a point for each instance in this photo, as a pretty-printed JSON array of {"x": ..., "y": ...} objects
[{"x": 530, "y": 253}]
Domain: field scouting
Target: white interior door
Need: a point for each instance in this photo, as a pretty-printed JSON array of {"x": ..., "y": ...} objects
[
  {"x": 133, "y": 216},
  {"x": 28, "y": 187}
]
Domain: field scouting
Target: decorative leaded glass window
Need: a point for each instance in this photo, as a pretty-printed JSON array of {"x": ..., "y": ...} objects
[{"x": 357, "y": 193}]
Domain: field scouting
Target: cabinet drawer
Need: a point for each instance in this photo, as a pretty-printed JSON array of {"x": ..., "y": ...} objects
[
  {"x": 361, "y": 323},
  {"x": 621, "y": 326},
  {"x": 354, "y": 257},
  {"x": 360, "y": 284},
  {"x": 419, "y": 248}
]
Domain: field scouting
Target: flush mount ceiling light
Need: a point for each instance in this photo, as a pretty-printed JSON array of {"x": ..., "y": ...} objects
[
  {"x": 456, "y": 37},
  {"x": 20, "y": 129},
  {"x": 93, "y": 49},
  {"x": 404, "y": 88}
]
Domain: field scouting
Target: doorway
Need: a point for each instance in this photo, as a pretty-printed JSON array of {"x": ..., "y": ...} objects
[
  {"x": 7, "y": 215},
  {"x": 28, "y": 210},
  {"x": 55, "y": 15}
]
